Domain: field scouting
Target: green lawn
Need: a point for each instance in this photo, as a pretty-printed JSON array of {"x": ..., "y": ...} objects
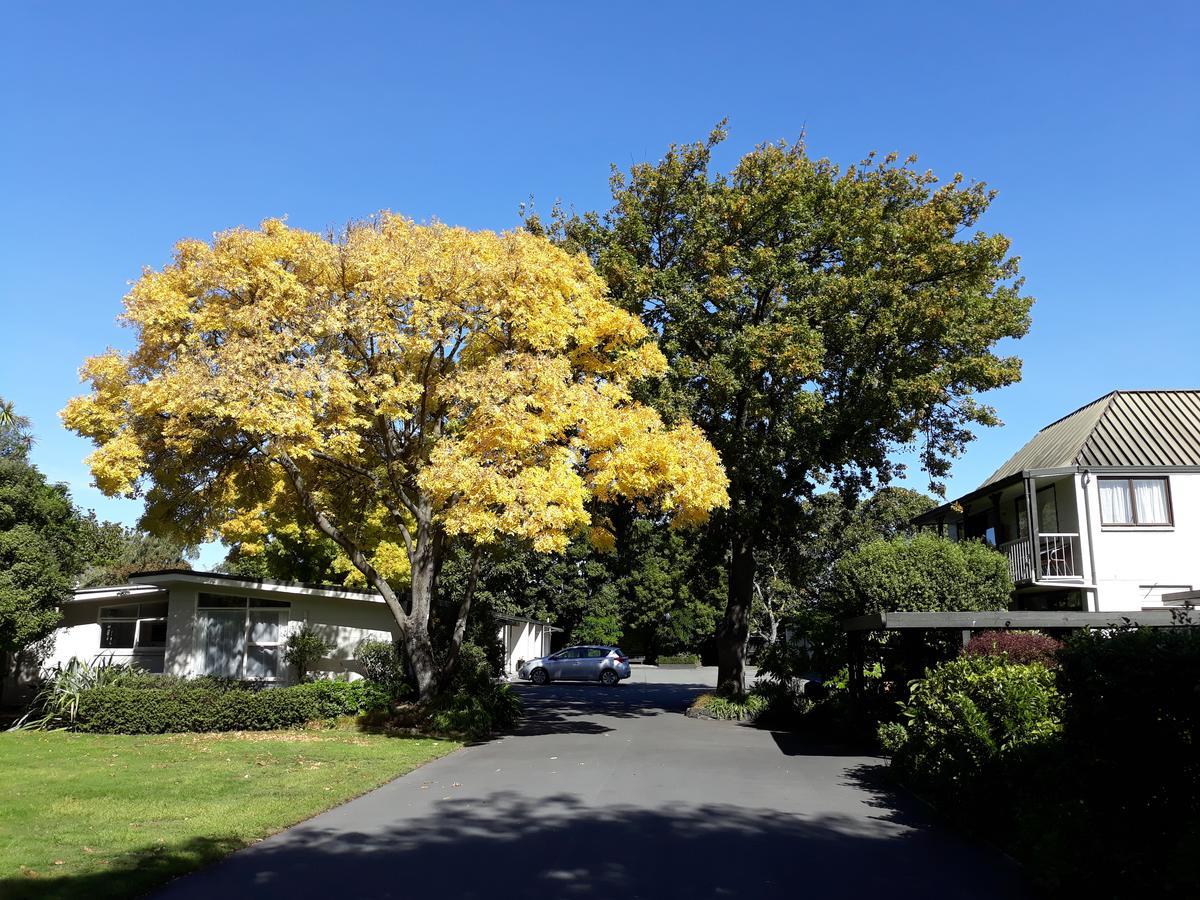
[{"x": 113, "y": 815}]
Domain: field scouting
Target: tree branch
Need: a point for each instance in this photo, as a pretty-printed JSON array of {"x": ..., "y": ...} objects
[{"x": 335, "y": 534}]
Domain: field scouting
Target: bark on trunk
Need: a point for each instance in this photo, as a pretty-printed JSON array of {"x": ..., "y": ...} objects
[
  {"x": 735, "y": 626},
  {"x": 417, "y": 643}
]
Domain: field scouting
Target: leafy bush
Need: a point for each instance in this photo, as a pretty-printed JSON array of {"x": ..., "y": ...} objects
[
  {"x": 382, "y": 664},
  {"x": 682, "y": 659},
  {"x": 56, "y": 705},
  {"x": 924, "y": 573},
  {"x": 1132, "y": 732},
  {"x": 1017, "y": 646},
  {"x": 474, "y": 703},
  {"x": 747, "y": 707},
  {"x": 304, "y": 649},
  {"x": 174, "y": 705},
  {"x": 475, "y": 715},
  {"x": 969, "y": 718}
]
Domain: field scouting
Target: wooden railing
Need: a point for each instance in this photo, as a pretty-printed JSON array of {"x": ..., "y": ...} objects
[{"x": 1058, "y": 555}]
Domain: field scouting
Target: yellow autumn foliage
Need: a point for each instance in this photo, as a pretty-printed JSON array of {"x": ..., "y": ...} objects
[{"x": 484, "y": 378}]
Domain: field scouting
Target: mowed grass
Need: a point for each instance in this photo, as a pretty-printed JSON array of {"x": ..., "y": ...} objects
[{"x": 99, "y": 816}]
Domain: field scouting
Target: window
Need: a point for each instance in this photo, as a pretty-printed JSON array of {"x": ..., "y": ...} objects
[
  {"x": 1047, "y": 510},
  {"x": 1022, "y": 517},
  {"x": 596, "y": 653},
  {"x": 1134, "y": 501},
  {"x": 136, "y": 626},
  {"x": 243, "y": 637}
]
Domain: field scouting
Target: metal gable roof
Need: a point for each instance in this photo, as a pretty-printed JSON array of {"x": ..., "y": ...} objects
[{"x": 1141, "y": 429}]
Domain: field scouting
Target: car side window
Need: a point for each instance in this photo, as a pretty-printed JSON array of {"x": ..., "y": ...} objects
[
  {"x": 597, "y": 653},
  {"x": 570, "y": 654}
]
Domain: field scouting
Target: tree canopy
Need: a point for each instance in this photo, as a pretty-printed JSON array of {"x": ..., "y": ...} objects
[
  {"x": 398, "y": 387},
  {"x": 923, "y": 573},
  {"x": 815, "y": 319},
  {"x": 42, "y": 541}
]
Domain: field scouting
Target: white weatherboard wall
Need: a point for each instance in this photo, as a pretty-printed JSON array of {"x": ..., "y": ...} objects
[
  {"x": 1135, "y": 566},
  {"x": 523, "y": 640}
]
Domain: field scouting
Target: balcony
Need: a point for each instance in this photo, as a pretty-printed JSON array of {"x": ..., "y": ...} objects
[{"x": 1058, "y": 557}]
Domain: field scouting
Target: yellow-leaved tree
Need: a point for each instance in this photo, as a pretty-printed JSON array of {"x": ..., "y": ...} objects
[{"x": 397, "y": 386}]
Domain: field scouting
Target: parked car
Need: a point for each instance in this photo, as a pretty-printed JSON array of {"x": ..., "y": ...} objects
[{"x": 608, "y": 665}]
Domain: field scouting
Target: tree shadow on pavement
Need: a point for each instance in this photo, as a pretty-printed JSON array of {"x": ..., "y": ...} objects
[
  {"x": 580, "y": 707},
  {"x": 508, "y": 846}
]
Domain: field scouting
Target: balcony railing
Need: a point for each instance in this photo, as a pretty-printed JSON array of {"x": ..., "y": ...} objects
[{"x": 1058, "y": 556}]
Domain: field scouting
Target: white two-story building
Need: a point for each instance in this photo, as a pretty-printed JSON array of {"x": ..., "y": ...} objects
[{"x": 1100, "y": 510}]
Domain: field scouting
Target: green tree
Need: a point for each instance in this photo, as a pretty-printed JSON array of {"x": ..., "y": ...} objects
[
  {"x": 115, "y": 552},
  {"x": 42, "y": 541},
  {"x": 815, "y": 319},
  {"x": 924, "y": 573}
]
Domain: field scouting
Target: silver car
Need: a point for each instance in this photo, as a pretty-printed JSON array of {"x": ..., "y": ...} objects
[{"x": 608, "y": 665}]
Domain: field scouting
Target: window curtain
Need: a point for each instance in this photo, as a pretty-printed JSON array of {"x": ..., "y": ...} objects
[
  {"x": 1114, "y": 503},
  {"x": 1150, "y": 495},
  {"x": 224, "y": 641}
]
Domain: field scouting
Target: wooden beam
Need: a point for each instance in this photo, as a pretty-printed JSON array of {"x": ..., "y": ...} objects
[{"x": 975, "y": 621}]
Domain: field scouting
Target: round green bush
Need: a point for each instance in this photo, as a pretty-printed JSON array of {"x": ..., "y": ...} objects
[{"x": 971, "y": 716}]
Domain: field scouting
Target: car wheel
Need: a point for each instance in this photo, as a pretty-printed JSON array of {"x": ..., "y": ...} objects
[
  {"x": 539, "y": 676},
  {"x": 608, "y": 678}
]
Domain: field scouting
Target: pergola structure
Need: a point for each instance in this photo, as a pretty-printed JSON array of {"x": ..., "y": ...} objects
[{"x": 969, "y": 622}]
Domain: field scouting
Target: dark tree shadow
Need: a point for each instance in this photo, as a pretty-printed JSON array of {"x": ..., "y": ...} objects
[{"x": 507, "y": 846}]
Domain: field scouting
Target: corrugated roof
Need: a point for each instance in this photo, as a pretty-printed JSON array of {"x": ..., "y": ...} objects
[{"x": 1124, "y": 428}]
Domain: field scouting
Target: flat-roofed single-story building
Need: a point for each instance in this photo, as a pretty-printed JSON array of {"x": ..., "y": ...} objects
[{"x": 188, "y": 623}]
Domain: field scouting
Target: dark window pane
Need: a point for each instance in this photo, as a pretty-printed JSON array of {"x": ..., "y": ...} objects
[
  {"x": 117, "y": 635},
  {"x": 268, "y": 604},
  {"x": 219, "y": 601},
  {"x": 152, "y": 633},
  {"x": 153, "y": 610}
]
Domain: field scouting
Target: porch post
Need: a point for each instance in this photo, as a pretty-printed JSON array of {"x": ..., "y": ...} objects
[{"x": 1034, "y": 541}]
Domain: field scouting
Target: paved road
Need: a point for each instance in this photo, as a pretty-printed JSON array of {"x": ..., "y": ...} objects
[{"x": 614, "y": 793}]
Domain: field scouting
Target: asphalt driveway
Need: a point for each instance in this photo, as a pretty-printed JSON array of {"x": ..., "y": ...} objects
[{"x": 614, "y": 793}]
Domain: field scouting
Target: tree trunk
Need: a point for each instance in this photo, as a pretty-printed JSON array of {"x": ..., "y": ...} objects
[
  {"x": 735, "y": 626},
  {"x": 416, "y": 641}
]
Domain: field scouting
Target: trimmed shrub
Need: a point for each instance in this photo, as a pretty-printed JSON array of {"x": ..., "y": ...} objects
[
  {"x": 1017, "y": 646},
  {"x": 172, "y": 705},
  {"x": 969, "y": 719},
  {"x": 682, "y": 659}
]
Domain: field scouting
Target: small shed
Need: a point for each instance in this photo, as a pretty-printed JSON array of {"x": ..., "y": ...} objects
[{"x": 523, "y": 639}]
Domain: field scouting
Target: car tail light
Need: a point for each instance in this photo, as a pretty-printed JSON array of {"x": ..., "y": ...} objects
[{"x": 622, "y": 659}]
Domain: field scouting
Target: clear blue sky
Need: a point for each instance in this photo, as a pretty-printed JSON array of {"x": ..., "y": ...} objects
[{"x": 128, "y": 126}]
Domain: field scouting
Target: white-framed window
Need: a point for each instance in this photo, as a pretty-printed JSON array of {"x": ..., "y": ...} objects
[
  {"x": 134, "y": 626},
  {"x": 1135, "y": 502},
  {"x": 242, "y": 637}
]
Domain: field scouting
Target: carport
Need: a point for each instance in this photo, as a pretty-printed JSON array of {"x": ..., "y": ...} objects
[{"x": 967, "y": 623}]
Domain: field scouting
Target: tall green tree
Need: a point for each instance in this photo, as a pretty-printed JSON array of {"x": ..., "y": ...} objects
[
  {"x": 42, "y": 541},
  {"x": 114, "y": 552},
  {"x": 815, "y": 319}
]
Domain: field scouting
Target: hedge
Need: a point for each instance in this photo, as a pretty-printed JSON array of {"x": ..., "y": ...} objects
[{"x": 163, "y": 705}]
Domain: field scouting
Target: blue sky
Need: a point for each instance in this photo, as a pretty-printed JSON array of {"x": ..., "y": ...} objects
[{"x": 128, "y": 126}]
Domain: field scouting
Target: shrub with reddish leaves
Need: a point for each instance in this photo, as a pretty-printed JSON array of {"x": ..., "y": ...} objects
[{"x": 1018, "y": 646}]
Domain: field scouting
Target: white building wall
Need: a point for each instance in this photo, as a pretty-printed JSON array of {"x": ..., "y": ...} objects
[
  {"x": 1134, "y": 566},
  {"x": 523, "y": 641},
  {"x": 342, "y": 623}
]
